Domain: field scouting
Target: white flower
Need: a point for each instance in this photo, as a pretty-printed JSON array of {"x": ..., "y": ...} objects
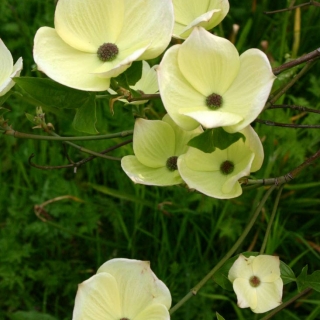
[
  {"x": 205, "y": 81},
  {"x": 157, "y": 145},
  {"x": 7, "y": 69},
  {"x": 257, "y": 282},
  {"x": 96, "y": 40},
  {"x": 192, "y": 13},
  {"x": 123, "y": 289},
  {"x": 216, "y": 174}
]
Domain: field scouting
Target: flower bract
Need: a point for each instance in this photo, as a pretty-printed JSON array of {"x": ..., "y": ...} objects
[
  {"x": 123, "y": 289},
  {"x": 7, "y": 69},
  {"x": 94, "y": 41},
  {"x": 205, "y": 81},
  {"x": 216, "y": 174},
  {"x": 157, "y": 144},
  {"x": 191, "y": 13},
  {"x": 257, "y": 282}
]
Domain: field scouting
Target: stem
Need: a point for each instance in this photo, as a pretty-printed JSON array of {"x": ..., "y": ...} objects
[
  {"x": 234, "y": 248},
  {"x": 310, "y": 3},
  {"x": 285, "y": 304},
  {"x": 22, "y": 135},
  {"x": 288, "y": 125},
  {"x": 294, "y": 107},
  {"x": 307, "y": 57},
  {"x": 273, "y": 214}
]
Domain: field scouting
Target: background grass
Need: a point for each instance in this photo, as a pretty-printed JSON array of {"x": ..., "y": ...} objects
[{"x": 183, "y": 234}]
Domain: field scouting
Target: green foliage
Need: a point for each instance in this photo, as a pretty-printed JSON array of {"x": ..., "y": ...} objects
[
  {"x": 305, "y": 281},
  {"x": 211, "y": 139}
]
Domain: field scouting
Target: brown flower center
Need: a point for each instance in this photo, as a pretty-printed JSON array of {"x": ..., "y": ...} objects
[
  {"x": 214, "y": 101},
  {"x": 254, "y": 281},
  {"x": 171, "y": 163},
  {"x": 227, "y": 167},
  {"x": 107, "y": 52}
]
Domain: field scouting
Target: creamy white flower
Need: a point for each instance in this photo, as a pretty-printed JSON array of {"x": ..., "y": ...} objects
[
  {"x": 7, "y": 69},
  {"x": 205, "y": 81},
  {"x": 157, "y": 145},
  {"x": 257, "y": 282},
  {"x": 96, "y": 40},
  {"x": 216, "y": 174},
  {"x": 194, "y": 13},
  {"x": 123, "y": 289}
]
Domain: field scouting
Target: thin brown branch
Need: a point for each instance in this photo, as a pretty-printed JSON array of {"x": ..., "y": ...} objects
[
  {"x": 294, "y": 107},
  {"x": 310, "y": 3},
  {"x": 288, "y": 125}
]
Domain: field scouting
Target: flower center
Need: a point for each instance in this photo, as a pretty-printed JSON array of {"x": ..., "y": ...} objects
[
  {"x": 254, "y": 281},
  {"x": 124, "y": 319},
  {"x": 227, "y": 167},
  {"x": 214, "y": 101},
  {"x": 107, "y": 52},
  {"x": 171, "y": 163}
]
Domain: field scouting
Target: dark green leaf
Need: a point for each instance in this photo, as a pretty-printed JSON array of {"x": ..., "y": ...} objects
[
  {"x": 5, "y": 97},
  {"x": 301, "y": 280},
  {"x": 211, "y": 139},
  {"x": 305, "y": 281},
  {"x": 31, "y": 315},
  {"x": 52, "y": 94},
  {"x": 287, "y": 274},
  {"x": 221, "y": 276},
  {"x": 219, "y": 317},
  {"x": 133, "y": 74},
  {"x": 3, "y": 111},
  {"x": 86, "y": 118}
]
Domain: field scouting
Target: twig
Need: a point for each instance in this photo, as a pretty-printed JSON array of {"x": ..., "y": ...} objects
[
  {"x": 307, "y": 57},
  {"x": 310, "y": 3},
  {"x": 287, "y": 125},
  {"x": 294, "y": 107}
]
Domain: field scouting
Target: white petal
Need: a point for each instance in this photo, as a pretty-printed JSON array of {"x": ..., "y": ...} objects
[
  {"x": 153, "y": 142},
  {"x": 86, "y": 25},
  {"x": 210, "y": 118},
  {"x": 182, "y": 137},
  {"x": 147, "y": 21},
  {"x": 187, "y": 11},
  {"x": 176, "y": 91},
  {"x": 154, "y": 312},
  {"x": 268, "y": 296},
  {"x": 6, "y": 62},
  {"x": 266, "y": 267},
  {"x": 209, "y": 63},
  {"x": 9, "y": 83},
  {"x": 250, "y": 90},
  {"x": 140, "y": 173},
  {"x": 246, "y": 295},
  {"x": 66, "y": 65},
  {"x": 241, "y": 268},
  {"x": 138, "y": 285},
  {"x": 98, "y": 299}
]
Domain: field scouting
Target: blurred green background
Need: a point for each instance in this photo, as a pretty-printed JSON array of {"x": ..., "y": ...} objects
[{"x": 103, "y": 215}]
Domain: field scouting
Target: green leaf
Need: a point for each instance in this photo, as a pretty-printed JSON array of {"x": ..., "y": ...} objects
[
  {"x": 305, "y": 281},
  {"x": 287, "y": 274},
  {"x": 30, "y": 117},
  {"x": 86, "y": 118},
  {"x": 221, "y": 276},
  {"x": 5, "y": 97},
  {"x": 219, "y": 317},
  {"x": 31, "y": 315},
  {"x": 3, "y": 111},
  {"x": 130, "y": 76},
  {"x": 52, "y": 94},
  {"x": 211, "y": 139}
]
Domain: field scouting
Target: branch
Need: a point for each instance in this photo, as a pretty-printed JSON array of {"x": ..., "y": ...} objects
[
  {"x": 294, "y": 107},
  {"x": 307, "y": 57},
  {"x": 288, "y": 125},
  {"x": 310, "y": 3}
]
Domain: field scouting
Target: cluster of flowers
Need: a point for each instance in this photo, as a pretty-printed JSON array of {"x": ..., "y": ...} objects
[{"x": 128, "y": 289}]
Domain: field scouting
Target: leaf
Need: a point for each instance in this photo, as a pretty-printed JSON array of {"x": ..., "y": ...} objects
[
  {"x": 219, "y": 317},
  {"x": 30, "y": 117},
  {"x": 130, "y": 76},
  {"x": 52, "y": 94},
  {"x": 5, "y": 97},
  {"x": 287, "y": 275},
  {"x": 86, "y": 118},
  {"x": 305, "y": 281},
  {"x": 211, "y": 139},
  {"x": 221, "y": 276},
  {"x": 3, "y": 111},
  {"x": 31, "y": 315}
]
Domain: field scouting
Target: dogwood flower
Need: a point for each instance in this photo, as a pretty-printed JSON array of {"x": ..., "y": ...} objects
[
  {"x": 122, "y": 289},
  {"x": 7, "y": 69},
  {"x": 205, "y": 81},
  {"x": 257, "y": 282},
  {"x": 216, "y": 174},
  {"x": 157, "y": 145},
  {"x": 96, "y": 40},
  {"x": 191, "y": 13}
]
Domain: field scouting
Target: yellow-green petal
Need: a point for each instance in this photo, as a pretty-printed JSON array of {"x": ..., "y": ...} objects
[
  {"x": 154, "y": 312},
  {"x": 267, "y": 267},
  {"x": 246, "y": 295},
  {"x": 241, "y": 268}
]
